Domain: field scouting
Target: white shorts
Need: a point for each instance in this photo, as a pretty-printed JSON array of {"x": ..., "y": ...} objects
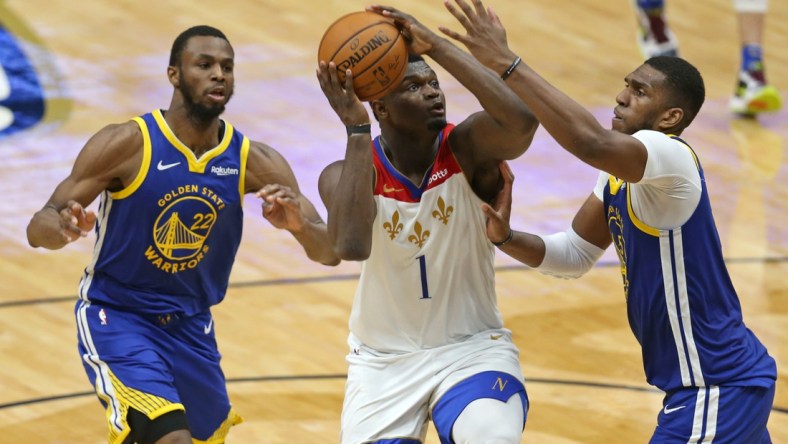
[{"x": 391, "y": 396}]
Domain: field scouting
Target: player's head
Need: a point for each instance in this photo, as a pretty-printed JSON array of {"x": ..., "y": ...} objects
[
  {"x": 201, "y": 70},
  {"x": 417, "y": 103},
  {"x": 664, "y": 94}
]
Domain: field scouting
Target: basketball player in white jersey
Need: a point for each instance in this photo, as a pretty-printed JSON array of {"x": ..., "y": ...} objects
[
  {"x": 651, "y": 202},
  {"x": 426, "y": 339}
]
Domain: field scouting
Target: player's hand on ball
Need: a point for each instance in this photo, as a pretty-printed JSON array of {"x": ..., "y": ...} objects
[
  {"x": 420, "y": 39},
  {"x": 340, "y": 94},
  {"x": 281, "y": 207}
]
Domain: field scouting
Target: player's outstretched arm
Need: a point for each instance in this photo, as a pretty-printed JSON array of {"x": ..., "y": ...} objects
[
  {"x": 506, "y": 127},
  {"x": 269, "y": 176},
  {"x": 108, "y": 161},
  {"x": 576, "y": 129},
  {"x": 567, "y": 254}
]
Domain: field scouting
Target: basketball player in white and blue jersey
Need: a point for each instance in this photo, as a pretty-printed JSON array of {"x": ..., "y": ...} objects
[
  {"x": 652, "y": 204},
  {"x": 168, "y": 227},
  {"x": 426, "y": 341}
]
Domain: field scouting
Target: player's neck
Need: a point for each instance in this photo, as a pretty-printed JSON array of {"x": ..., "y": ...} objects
[
  {"x": 410, "y": 156},
  {"x": 199, "y": 136}
]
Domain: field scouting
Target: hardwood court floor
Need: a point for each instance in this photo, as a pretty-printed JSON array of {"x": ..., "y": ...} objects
[{"x": 283, "y": 325}]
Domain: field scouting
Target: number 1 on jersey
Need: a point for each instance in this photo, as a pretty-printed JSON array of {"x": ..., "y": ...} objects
[{"x": 425, "y": 292}]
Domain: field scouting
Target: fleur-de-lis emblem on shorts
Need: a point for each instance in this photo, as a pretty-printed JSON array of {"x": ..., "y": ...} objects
[
  {"x": 443, "y": 212},
  {"x": 419, "y": 237},
  {"x": 393, "y": 227}
]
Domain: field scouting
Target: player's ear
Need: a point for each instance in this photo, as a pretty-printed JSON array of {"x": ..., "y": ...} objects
[
  {"x": 172, "y": 75},
  {"x": 671, "y": 118},
  {"x": 378, "y": 109}
]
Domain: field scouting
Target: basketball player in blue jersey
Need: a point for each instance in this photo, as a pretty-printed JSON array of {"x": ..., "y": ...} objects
[
  {"x": 168, "y": 227},
  {"x": 427, "y": 341},
  {"x": 652, "y": 204}
]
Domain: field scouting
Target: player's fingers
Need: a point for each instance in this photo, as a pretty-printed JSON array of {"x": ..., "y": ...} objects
[
  {"x": 288, "y": 201},
  {"x": 266, "y": 191},
  {"x": 87, "y": 222},
  {"x": 384, "y": 10},
  {"x": 349, "y": 82},
  {"x": 462, "y": 18},
  {"x": 466, "y": 8},
  {"x": 333, "y": 75},
  {"x": 71, "y": 231},
  {"x": 480, "y": 10},
  {"x": 69, "y": 236},
  {"x": 322, "y": 75},
  {"x": 453, "y": 34},
  {"x": 506, "y": 172},
  {"x": 494, "y": 19}
]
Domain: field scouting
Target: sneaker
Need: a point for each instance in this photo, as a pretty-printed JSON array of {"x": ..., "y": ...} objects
[
  {"x": 655, "y": 38},
  {"x": 753, "y": 96}
]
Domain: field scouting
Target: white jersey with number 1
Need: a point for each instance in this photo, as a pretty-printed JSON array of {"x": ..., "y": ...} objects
[{"x": 429, "y": 280}]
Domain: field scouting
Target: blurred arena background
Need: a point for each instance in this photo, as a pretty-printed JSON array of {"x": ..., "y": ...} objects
[{"x": 283, "y": 325}]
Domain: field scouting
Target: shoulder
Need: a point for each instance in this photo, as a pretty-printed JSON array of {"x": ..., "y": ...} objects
[
  {"x": 601, "y": 182},
  {"x": 667, "y": 156},
  {"x": 265, "y": 165},
  {"x": 262, "y": 155},
  {"x": 117, "y": 139},
  {"x": 660, "y": 144},
  {"x": 330, "y": 174},
  {"x": 128, "y": 132}
]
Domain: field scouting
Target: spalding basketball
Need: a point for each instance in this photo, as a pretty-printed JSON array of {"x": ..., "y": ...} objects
[{"x": 371, "y": 46}]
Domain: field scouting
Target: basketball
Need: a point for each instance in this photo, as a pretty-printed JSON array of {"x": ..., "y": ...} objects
[{"x": 371, "y": 46}]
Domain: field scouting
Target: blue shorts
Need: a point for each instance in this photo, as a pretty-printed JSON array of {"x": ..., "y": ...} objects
[
  {"x": 154, "y": 364},
  {"x": 724, "y": 414}
]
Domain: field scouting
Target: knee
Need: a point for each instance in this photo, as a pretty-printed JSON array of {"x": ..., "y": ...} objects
[
  {"x": 489, "y": 421},
  {"x": 169, "y": 428}
]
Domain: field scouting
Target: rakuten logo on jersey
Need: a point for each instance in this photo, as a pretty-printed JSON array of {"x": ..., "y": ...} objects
[{"x": 223, "y": 171}]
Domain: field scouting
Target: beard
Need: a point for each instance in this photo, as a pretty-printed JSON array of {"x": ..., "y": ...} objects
[
  {"x": 436, "y": 124},
  {"x": 197, "y": 111}
]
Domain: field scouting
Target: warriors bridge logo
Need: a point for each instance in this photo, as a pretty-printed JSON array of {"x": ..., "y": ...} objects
[{"x": 187, "y": 215}]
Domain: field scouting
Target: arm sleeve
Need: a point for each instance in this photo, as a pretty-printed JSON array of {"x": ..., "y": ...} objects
[
  {"x": 670, "y": 189},
  {"x": 567, "y": 255},
  {"x": 601, "y": 182}
]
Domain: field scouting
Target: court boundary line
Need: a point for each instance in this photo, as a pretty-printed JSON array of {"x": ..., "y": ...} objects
[
  {"x": 344, "y": 277},
  {"x": 280, "y": 378}
]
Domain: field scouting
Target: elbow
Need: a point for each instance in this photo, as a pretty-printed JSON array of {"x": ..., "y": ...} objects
[
  {"x": 331, "y": 262},
  {"x": 353, "y": 250},
  {"x": 526, "y": 130},
  {"x": 527, "y": 125},
  {"x": 329, "y": 259},
  {"x": 567, "y": 275},
  {"x": 31, "y": 236}
]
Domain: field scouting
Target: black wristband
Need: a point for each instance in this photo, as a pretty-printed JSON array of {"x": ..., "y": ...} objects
[
  {"x": 511, "y": 68},
  {"x": 365, "y": 128},
  {"x": 503, "y": 242}
]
